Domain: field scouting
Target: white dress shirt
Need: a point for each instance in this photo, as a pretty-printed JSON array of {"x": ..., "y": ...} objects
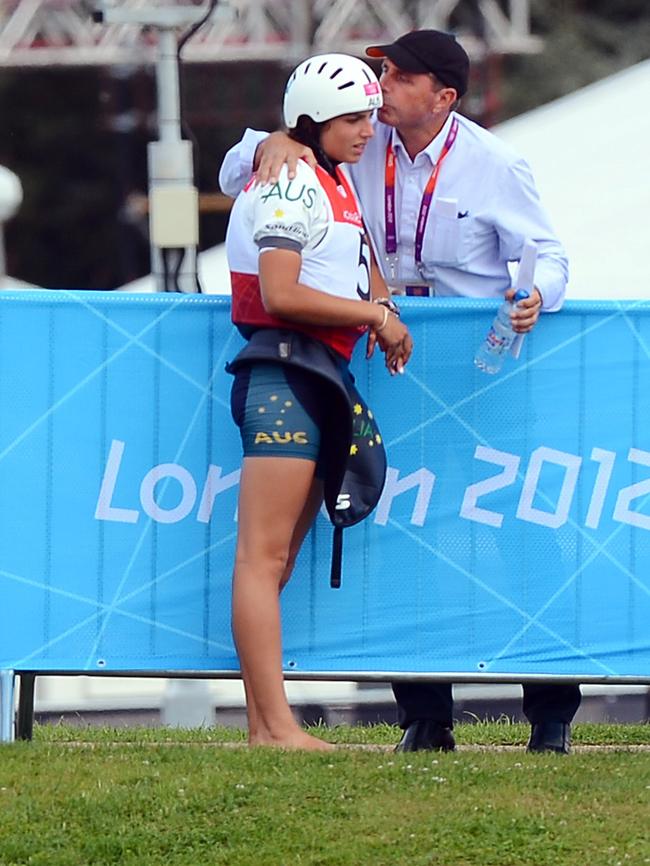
[{"x": 497, "y": 209}]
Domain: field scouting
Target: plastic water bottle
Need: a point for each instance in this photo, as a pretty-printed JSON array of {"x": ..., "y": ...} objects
[{"x": 499, "y": 338}]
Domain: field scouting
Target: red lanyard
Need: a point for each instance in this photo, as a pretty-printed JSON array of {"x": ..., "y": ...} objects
[{"x": 425, "y": 205}]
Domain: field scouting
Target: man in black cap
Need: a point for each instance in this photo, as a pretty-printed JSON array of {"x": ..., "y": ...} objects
[
  {"x": 447, "y": 206},
  {"x": 429, "y": 51}
]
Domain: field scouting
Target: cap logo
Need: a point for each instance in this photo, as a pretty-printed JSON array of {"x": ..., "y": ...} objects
[{"x": 371, "y": 88}]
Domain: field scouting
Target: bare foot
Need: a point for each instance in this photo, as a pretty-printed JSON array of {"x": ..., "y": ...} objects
[{"x": 294, "y": 740}]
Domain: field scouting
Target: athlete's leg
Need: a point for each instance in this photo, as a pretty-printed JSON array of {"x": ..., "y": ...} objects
[
  {"x": 307, "y": 518},
  {"x": 274, "y": 493},
  {"x": 309, "y": 514}
]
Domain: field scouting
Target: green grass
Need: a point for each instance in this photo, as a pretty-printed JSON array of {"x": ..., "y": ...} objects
[
  {"x": 501, "y": 732},
  {"x": 148, "y": 797}
]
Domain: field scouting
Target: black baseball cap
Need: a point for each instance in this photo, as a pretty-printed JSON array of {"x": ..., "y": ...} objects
[{"x": 426, "y": 51}]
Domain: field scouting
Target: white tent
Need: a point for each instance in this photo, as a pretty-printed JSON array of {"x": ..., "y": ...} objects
[
  {"x": 588, "y": 152},
  {"x": 214, "y": 275},
  {"x": 13, "y": 285}
]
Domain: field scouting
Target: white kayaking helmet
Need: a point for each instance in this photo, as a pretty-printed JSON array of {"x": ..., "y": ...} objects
[{"x": 328, "y": 85}]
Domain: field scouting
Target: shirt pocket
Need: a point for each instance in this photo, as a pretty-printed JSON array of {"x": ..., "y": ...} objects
[{"x": 446, "y": 240}]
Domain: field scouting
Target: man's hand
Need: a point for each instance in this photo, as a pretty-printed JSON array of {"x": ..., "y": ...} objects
[
  {"x": 274, "y": 152},
  {"x": 525, "y": 313}
]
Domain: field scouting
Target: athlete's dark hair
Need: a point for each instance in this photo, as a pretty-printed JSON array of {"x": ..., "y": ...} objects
[{"x": 308, "y": 132}]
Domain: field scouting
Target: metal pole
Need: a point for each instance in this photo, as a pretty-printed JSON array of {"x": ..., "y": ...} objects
[
  {"x": 169, "y": 107},
  {"x": 6, "y": 706},
  {"x": 25, "y": 714},
  {"x": 173, "y": 198}
]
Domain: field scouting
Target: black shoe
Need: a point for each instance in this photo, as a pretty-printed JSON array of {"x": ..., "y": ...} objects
[
  {"x": 426, "y": 734},
  {"x": 550, "y": 737}
]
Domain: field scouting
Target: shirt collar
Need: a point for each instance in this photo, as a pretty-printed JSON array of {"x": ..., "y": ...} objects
[{"x": 434, "y": 148}]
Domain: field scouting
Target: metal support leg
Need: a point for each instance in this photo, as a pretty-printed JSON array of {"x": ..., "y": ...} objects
[
  {"x": 6, "y": 706},
  {"x": 25, "y": 716}
]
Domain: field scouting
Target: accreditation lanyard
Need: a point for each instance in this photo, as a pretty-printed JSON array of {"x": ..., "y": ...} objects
[{"x": 425, "y": 205}]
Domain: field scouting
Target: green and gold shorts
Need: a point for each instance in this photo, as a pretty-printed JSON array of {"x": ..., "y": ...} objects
[{"x": 279, "y": 409}]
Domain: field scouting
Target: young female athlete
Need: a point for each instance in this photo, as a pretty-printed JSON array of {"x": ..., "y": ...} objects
[{"x": 303, "y": 291}]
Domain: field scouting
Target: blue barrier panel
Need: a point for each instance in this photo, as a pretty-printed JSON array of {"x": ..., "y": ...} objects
[{"x": 512, "y": 538}]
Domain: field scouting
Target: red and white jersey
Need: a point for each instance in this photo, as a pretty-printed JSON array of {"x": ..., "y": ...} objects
[{"x": 318, "y": 218}]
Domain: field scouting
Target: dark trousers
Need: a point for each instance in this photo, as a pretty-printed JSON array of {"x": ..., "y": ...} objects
[{"x": 543, "y": 702}]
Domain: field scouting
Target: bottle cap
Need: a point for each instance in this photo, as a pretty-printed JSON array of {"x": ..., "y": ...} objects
[{"x": 520, "y": 294}]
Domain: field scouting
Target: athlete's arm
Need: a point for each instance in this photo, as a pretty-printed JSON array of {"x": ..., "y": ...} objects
[
  {"x": 378, "y": 289},
  {"x": 284, "y": 296},
  {"x": 397, "y": 355}
]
